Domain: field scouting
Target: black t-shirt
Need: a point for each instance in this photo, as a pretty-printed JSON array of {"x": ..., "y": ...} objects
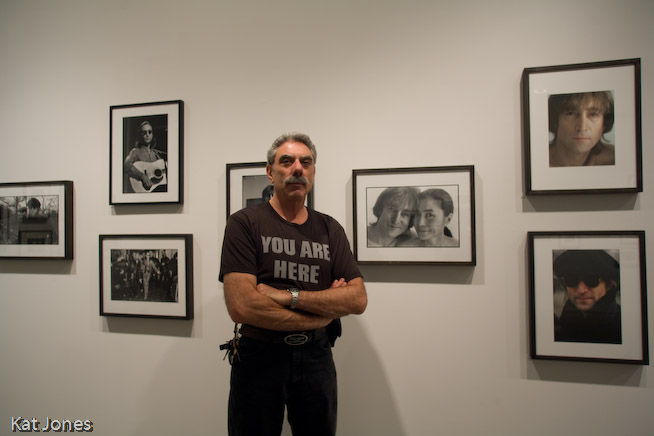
[{"x": 308, "y": 256}]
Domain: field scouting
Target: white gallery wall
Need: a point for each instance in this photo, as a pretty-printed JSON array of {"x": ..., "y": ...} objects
[{"x": 377, "y": 84}]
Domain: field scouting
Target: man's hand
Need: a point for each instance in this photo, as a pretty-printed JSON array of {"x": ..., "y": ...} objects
[
  {"x": 279, "y": 296},
  {"x": 146, "y": 181}
]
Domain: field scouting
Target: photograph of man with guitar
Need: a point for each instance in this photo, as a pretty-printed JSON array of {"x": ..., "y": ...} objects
[{"x": 146, "y": 161}]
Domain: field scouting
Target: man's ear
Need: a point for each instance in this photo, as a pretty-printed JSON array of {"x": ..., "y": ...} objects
[
  {"x": 448, "y": 219},
  {"x": 269, "y": 172}
]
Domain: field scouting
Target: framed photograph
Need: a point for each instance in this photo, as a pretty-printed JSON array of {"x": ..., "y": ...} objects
[
  {"x": 414, "y": 215},
  {"x": 146, "y": 276},
  {"x": 248, "y": 185},
  {"x": 588, "y": 296},
  {"x": 582, "y": 128},
  {"x": 36, "y": 220},
  {"x": 146, "y": 153}
]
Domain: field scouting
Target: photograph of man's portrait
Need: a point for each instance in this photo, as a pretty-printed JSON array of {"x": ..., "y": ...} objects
[
  {"x": 413, "y": 216},
  {"x": 587, "y": 296},
  {"x": 145, "y": 154},
  {"x": 257, "y": 189},
  {"x": 581, "y": 129}
]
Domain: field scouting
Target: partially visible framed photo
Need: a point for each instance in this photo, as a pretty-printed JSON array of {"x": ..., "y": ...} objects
[
  {"x": 582, "y": 128},
  {"x": 588, "y": 296},
  {"x": 146, "y": 276},
  {"x": 146, "y": 153},
  {"x": 248, "y": 185},
  {"x": 36, "y": 220},
  {"x": 414, "y": 215}
]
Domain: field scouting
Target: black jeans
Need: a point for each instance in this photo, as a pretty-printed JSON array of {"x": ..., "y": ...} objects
[{"x": 269, "y": 377}]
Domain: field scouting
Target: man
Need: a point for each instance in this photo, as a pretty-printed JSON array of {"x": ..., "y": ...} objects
[
  {"x": 591, "y": 314},
  {"x": 289, "y": 275},
  {"x": 144, "y": 164},
  {"x": 148, "y": 268},
  {"x": 34, "y": 209},
  {"x": 38, "y": 226},
  {"x": 578, "y": 122}
]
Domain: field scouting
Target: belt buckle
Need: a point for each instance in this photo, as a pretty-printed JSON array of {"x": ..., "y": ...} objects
[{"x": 296, "y": 339}]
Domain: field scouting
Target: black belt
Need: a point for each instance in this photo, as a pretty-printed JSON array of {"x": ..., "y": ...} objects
[{"x": 288, "y": 338}]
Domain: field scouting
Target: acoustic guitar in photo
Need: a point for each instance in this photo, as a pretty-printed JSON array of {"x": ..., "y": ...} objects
[{"x": 155, "y": 171}]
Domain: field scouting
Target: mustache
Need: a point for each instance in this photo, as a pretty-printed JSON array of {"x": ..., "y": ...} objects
[{"x": 294, "y": 179}]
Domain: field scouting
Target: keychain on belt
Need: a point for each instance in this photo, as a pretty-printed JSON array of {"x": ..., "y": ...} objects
[{"x": 232, "y": 347}]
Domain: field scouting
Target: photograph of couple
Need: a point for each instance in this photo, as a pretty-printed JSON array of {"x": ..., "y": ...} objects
[{"x": 413, "y": 216}]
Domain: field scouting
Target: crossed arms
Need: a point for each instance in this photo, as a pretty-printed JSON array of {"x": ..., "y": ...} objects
[{"x": 263, "y": 306}]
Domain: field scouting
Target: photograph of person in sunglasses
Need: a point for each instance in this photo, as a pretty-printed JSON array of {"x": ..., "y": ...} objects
[{"x": 591, "y": 283}]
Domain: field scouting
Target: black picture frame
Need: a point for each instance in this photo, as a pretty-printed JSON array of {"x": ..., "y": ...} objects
[
  {"x": 602, "y": 321},
  {"x": 162, "y": 162},
  {"x": 36, "y": 220},
  {"x": 148, "y": 276},
  {"x": 455, "y": 236},
  {"x": 614, "y": 163},
  {"x": 247, "y": 185}
]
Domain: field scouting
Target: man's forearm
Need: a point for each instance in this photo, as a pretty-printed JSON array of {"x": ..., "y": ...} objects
[
  {"x": 282, "y": 319},
  {"x": 132, "y": 171},
  {"x": 335, "y": 302},
  {"x": 339, "y": 300},
  {"x": 247, "y": 306}
]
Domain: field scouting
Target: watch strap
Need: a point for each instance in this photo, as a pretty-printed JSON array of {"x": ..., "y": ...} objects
[{"x": 295, "y": 294}]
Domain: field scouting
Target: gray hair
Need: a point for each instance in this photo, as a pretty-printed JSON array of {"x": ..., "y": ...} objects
[{"x": 292, "y": 137}]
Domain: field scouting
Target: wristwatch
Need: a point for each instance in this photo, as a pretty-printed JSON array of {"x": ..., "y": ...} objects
[{"x": 295, "y": 293}]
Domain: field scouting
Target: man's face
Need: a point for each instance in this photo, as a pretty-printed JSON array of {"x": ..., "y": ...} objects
[
  {"x": 293, "y": 171},
  {"x": 394, "y": 219},
  {"x": 583, "y": 295},
  {"x": 146, "y": 133},
  {"x": 581, "y": 127},
  {"x": 430, "y": 220}
]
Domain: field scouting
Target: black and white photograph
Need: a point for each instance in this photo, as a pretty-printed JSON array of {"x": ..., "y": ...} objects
[
  {"x": 588, "y": 296},
  {"x": 146, "y": 275},
  {"x": 146, "y": 153},
  {"x": 582, "y": 128},
  {"x": 414, "y": 215},
  {"x": 248, "y": 185},
  {"x": 36, "y": 220},
  {"x": 145, "y": 147}
]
